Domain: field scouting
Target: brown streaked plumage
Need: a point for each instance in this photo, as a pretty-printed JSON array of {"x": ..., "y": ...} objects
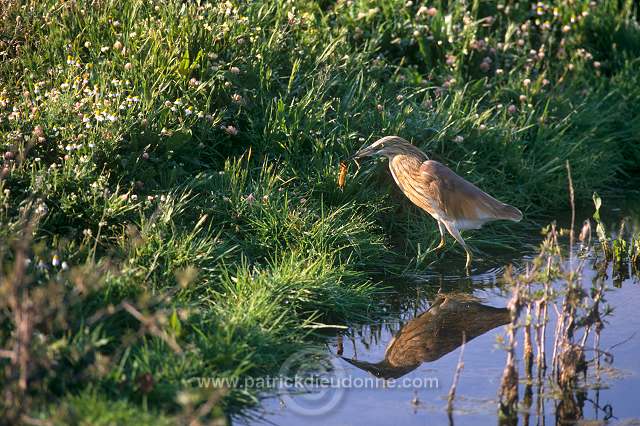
[
  {"x": 435, "y": 333},
  {"x": 455, "y": 203}
]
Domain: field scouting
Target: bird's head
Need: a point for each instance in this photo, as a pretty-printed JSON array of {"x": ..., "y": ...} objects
[{"x": 388, "y": 146}]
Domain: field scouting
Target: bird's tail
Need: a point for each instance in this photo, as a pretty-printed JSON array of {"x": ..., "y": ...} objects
[{"x": 511, "y": 213}]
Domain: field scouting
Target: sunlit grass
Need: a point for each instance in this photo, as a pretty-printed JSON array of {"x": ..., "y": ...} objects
[{"x": 187, "y": 154}]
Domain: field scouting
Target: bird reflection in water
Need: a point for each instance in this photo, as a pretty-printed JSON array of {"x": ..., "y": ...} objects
[{"x": 435, "y": 333}]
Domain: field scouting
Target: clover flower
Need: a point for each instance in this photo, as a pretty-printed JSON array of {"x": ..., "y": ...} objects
[{"x": 230, "y": 130}]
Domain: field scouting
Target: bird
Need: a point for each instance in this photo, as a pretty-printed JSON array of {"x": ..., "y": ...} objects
[
  {"x": 455, "y": 203},
  {"x": 451, "y": 320}
]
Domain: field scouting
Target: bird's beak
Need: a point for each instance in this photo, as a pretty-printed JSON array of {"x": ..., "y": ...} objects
[
  {"x": 372, "y": 368},
  {"x": 364, "y": 152},
  {"x": 363, "y": 365}
]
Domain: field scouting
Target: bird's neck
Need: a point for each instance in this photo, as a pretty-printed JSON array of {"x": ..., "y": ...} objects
[
  {"x": 404, "y": 166},
  {"x": 405, "y": 170}
]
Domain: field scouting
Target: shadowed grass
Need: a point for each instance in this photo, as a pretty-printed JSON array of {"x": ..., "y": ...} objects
[{"x": 187, "y": 153}]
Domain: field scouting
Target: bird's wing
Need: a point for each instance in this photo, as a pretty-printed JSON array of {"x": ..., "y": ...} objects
[
  {"x": 440, "y": 330},
  {"x": 459, "y": 198}
]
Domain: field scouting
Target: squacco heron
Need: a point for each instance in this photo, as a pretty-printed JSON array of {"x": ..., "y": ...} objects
[
  {"x": 455, "y": 203},
  {"x": 434, "y": 333}
]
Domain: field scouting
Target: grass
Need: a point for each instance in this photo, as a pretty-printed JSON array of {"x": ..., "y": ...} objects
[{"x": 172, "y": 167}]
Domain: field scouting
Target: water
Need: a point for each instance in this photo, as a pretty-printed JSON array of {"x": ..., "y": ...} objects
[{"x": 422, "y": 338}]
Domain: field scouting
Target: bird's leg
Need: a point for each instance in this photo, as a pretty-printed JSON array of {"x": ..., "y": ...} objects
[
  {"x": 456, "y": 234},
  {"x": 469, "y": 257},
  {"x": 442, "y": 241}
]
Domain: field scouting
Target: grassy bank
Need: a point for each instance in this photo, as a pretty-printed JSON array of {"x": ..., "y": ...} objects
[{"x": 169, "y": 205}]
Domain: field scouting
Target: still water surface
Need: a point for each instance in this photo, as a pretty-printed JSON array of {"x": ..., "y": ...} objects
[{"x": 422, "y": 337}]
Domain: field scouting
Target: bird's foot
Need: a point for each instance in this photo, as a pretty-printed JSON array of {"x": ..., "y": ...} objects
[{"x": 438, "y": 247}]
